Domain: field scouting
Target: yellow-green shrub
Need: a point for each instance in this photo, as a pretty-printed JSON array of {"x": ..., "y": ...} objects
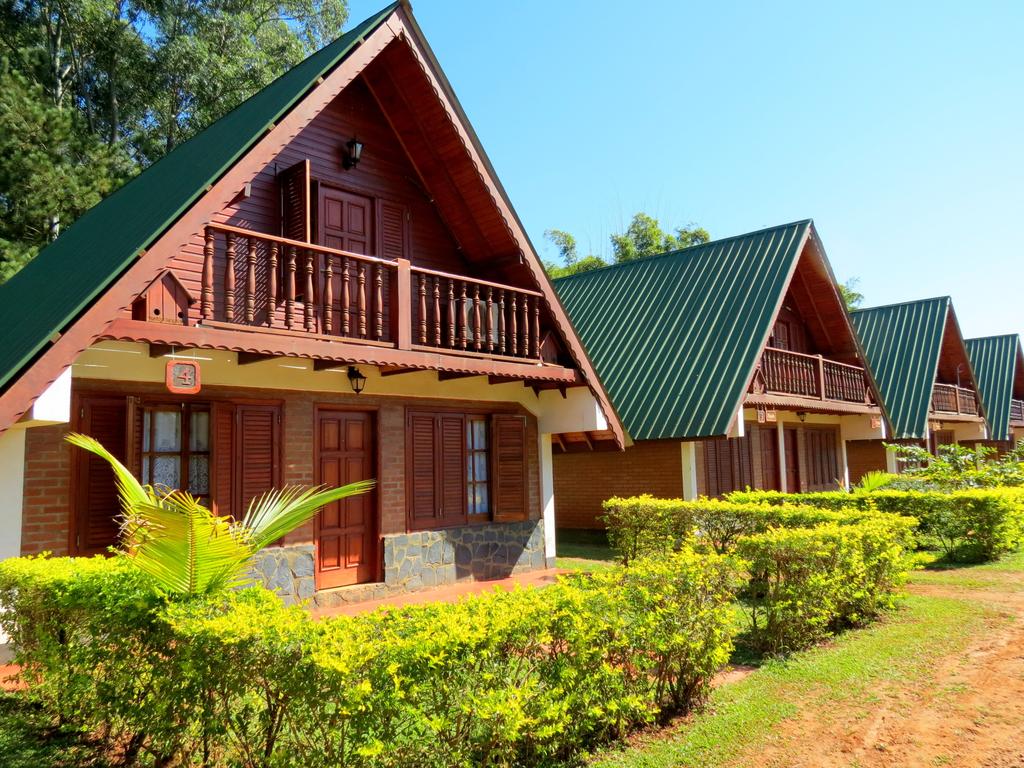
[
  {"x": 807, "y": 582},
  {"x": 639, "y": 526},
  {"x": 506, "y": 678},
  {"x": 973, "y": 524}
]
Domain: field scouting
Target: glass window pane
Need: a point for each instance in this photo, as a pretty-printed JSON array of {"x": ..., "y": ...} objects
[
  {"x": 199, "y": 431},
  {"x": 469, "y": 435},
  {"x": 145, "y": 431},
  {"x": 166, "y": 431},
  {"x": 198, "y": 475},
  {"x": 166, "y": 471},
  {"x": 480, "y": 466},
  {"x": 479, "y": 434},
  {"x": 145, "y": 470},
  {"x": 481, "y": 497}
]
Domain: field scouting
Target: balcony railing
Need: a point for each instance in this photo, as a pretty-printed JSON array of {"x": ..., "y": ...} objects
[
  {"x": 947, "y": 398},
  {"x": 812, "y": 376},
  {"x": 1017, "y": 411},
  {"x": 281, "y": 285}
]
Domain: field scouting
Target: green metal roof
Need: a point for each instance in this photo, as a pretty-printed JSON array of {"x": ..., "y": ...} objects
[
  {"x": 995, "y": 360},
  {"x": 47, "y": 295},
  {"x": 675, "y": 337},
  {"x": 902, "y": 343}
]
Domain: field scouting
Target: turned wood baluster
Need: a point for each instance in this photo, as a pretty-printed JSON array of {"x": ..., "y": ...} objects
[
  {"x": 501, "y": 321},
  {"x": 361, "y": 300},
  {"x": 423, "y": 308},
  {"x": 378, "y": 302},
  {"x": 451, "y": 313},
  {"x": 229, "y": 279},
  {"x": 437, "y": 312},
  {"x": 477, "y": 336},
  {"x": 345, "y": 293},
  {"x": 490, "y": 319},
  {"x": 329, "y": 294},
  {"x": 526, "y": 326},
  {"x": 206, "y": 307},
  {"x": 535, "y": 344},
  {"x": 308, "y": 303},
  {"x": 289, "y": 296},
  {"x": 271, "y": 282},
  {"x": 250, "y": 279},
  {"x": 463, "y": 316},
  {"x": 513, "y": 335}
]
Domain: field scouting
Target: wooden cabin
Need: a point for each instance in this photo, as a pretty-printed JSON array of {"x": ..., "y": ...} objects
[
  {"x": 919, "y": 360},
  {"x": 733, "y": 364},
  {"x": 326, "y": 285},
  {"x": 998, "y": 363}
]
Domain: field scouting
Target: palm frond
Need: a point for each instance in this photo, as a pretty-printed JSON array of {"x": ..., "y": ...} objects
[
  {"x": 281, "y": 511},
  {"x": 129, "y": 489},
  {"x": 190, "y": 550}
]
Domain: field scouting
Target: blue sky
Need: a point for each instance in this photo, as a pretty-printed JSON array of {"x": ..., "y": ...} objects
[{"x": 897, "y": 127}]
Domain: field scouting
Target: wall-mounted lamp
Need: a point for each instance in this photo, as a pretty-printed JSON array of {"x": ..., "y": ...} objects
[
  {"x": 802, "y": 415},
  {"x": 353, "y": 152},
  {"x": 356, "y": 379}
]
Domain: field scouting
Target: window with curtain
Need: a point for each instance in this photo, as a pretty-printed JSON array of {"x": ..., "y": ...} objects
[
  {"x": 176, "y": 448},
  {"x": 477, "y": 457}
]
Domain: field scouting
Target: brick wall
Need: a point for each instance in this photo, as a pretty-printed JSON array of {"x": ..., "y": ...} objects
[
  {"x": 46, "y": 516},
  {"x": 584, "y": 480}
]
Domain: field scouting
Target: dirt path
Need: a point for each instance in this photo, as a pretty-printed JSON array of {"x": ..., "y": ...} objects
[{"x": 970, "y": 713}]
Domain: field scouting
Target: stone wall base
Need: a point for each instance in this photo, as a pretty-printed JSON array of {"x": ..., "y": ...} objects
[{"x": 413, "y": 561}]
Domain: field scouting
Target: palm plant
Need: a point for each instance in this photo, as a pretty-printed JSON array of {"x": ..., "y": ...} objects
[{"x": 187, "y": 549}]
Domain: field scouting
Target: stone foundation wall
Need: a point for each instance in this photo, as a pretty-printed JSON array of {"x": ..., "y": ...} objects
[{"x": 413, "y": 561}]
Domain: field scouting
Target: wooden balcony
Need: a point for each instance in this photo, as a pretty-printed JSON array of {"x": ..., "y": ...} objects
[
  {"x": 259, "y": 282},
  {"x": 1017, "y": 412},
  {"x": 783, "y": 372},
  {"x": 947, "y": 398}
]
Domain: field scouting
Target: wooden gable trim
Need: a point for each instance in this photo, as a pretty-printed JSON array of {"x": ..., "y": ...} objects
[
  {"x": 170, "y": 273},
  {"x": 413, "y": 36},
  {"x": 23, "y": 391}
]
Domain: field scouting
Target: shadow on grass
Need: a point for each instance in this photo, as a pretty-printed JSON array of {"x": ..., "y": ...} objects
[
  {"x": 29, "y": 739},
  {"x": 584, "y": 545}
]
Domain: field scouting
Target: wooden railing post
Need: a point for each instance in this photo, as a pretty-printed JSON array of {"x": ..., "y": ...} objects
[
  {"x": 401, "y": 309},
  {"x": 250, "y": 280},
  {"x": 229, "y": 278},
  {"x": 206, "y": 306},
  {"x": 272, "y": 283},
  {"x": 329, "y": 295},
  {"x": 821, "y": 377}
]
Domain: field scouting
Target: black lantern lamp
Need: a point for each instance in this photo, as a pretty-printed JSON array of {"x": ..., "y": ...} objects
[
  {"x": 356, "y": 379},
  {"x": 353, "y": 152},
  {"x": 802, "y": 415}
]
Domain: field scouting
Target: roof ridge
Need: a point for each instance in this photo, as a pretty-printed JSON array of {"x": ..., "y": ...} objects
[
  {"x": 947, "y": 299},
  {"x": 681, "y": 251},
  {"x": 994, "y": 336}
]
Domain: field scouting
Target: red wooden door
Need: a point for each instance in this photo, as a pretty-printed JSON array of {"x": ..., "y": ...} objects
[
  {"x": 346, "y": 221},
  {"x": 346, "y": 531},
  {"x": 770, "y": 459},
  {"x": 792, "y": 460},
  {"x": 97, "y": 506}
]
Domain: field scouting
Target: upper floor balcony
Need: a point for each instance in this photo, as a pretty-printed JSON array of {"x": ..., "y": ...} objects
[
  {"x": 951, "y": 399},
  {"x": 814, "y": 377},
  {"x": 260, "y": 282}
]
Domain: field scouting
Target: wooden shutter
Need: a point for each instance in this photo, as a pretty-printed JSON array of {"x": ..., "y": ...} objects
[
  {"x": 394, "y": 230},
  {"x": 133, "y": 435},
  {"x": 257, "y": 447},
  {"x": 222, "y": 444},
  {"x": 296, "y": 189},
  {"x": 421, "y": 471},
  {"x": 769, "y": 459},
  {"x": 451, "y": 469},
  {"x": 97, "y": 505},
  {"x": 509, "y": 452}
]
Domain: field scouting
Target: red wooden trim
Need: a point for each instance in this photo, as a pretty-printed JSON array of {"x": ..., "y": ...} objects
[{"x": 475, "y": 281}]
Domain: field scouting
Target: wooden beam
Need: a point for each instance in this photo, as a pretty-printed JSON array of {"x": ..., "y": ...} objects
[
  {"x": 160, "y": 350},
  {"x": 504, "y": 380},
  {"x": 449, "y": 375},
  {"x": 248, "y": 358},
  {"x": 397, "y": 371},
  {"x": 586, "y": 439},
  {"x": 329, "y": 365},
  {"x": 558, "y": 441}
]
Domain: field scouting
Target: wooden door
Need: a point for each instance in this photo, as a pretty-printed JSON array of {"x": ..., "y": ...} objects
[
  {"x": 346, "y": 221},
  {"x": 346, "y": 531},
  {"x": 770, "y": 478},
  {"x": 97, "y": 505},
  {"x": 792, "y": 460}
]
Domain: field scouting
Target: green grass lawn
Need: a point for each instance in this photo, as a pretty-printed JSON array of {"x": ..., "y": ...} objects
[
  {"x": 898, "y": 652},
  {"x": 582, "y": 550}
]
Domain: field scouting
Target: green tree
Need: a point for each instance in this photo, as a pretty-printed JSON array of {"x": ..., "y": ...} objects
[
  {"x": 571, "y": 262},
  {"x": 851, "y": 296},
  {"x": 645, "y": 237}
]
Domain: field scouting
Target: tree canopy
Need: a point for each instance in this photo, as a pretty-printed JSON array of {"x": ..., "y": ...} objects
[
  {"x": 643, "y": 237},
  {"x": 93, "y": 91},
  {"x": 851, "y": 296}
]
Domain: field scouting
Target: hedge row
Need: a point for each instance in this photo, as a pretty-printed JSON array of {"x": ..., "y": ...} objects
[
  {"x": 974, "y": 524},
  {"x": 509, "y": 678},
  {"x": 805, "y": 583},
  {"x": 643, "y": 526}
]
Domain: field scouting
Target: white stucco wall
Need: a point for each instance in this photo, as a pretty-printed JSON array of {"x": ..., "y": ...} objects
[{"x": 12, "y": 482}]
